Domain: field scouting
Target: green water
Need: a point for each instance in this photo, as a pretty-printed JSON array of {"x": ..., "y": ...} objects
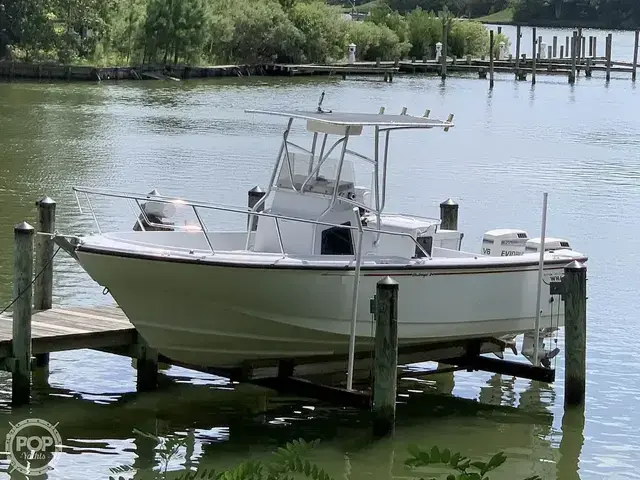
[{"x": 578, "y": 143}]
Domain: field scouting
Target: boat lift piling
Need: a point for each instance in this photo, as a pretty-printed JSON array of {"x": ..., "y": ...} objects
[
  {"x": 449, "y": 215},
  {"x": 573, "y": 288},
  {"x": 43, "y": 286},
  {"x": 385, "y": 360}
]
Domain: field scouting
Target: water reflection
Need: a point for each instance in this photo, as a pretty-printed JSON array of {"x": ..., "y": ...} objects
[{"x": 571, "y": 444}]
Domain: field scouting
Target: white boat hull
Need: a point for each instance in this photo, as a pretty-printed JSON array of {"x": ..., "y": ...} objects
[{"x": 208, "y": 314}]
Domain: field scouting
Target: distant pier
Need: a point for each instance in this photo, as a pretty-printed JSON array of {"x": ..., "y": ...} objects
[{"x": 570, "y": 56}]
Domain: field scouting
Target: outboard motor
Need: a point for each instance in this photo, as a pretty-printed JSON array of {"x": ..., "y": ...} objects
[
  {"x": 157, "y": 214},
  {"x": 504, "y": 242},
  {"x": 551, "y": 244}
]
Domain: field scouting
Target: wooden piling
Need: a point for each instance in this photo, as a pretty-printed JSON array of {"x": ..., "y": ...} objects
[
  {"x": 22, "y": 310},
  {"x": 608, "y": 54},
  {"x": 449, "y": 215},
  {"x": 43, "y": 287},
  {"x": 579, "y": 44},
  {"x": 583, "y": 48},
  {"x": 567, "y": 46},
  {"x": 539, "y": 47},
  {"x": 575, "y": 308},
  {"x": 253, "y": 196},
  {"x": 491, "y": 59},
  {"x": 533, "y": 58},
  {"x": 587, "y": 70},
  {"x": 549, "y": 52},
  {"x": 554, "y": 50},
  {"x": 634, "y": 68},
  {"x": 595, "y": 47},
  {"x": 574, "y": 51},
  {"x": 385, "y": 357},
  {"x": 445, "y": 41},
  {"x": 561, "y": 51},
  {"x": 591, "y": 46},
  {"x": 518, "y": 38}
]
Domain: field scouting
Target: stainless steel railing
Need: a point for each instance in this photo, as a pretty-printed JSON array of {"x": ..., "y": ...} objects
[{"x": 195, "y": 205}]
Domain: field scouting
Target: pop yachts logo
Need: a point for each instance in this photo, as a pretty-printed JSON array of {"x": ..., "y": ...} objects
[{"x": 33, "y": 446}]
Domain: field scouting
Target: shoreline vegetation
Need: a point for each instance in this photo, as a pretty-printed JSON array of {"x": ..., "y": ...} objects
[
  {"x": 122, "y": 34},
  {"x": 101, "y": 33}
]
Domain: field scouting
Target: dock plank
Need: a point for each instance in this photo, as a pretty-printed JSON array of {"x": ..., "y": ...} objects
[{"x": 71, "y": 328}]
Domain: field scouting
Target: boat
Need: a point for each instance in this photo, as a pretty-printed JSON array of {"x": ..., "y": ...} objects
[{"x": 298, "y": 280}]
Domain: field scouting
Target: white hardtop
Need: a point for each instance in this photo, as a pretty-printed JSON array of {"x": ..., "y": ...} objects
[{"x": 356, "y": 119}]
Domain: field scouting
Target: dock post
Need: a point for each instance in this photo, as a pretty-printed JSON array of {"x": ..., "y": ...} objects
[
  {"x": 587, "y": 70},
  {"x": 147, "y": 367},
  {"x": 583, "y": 48},
  {"x": 575, "y": 308},
  {"x": 539, "y": 47},
  {"x": 595, "y": 47},
  {"x": 561, "y": 52},
  {"x": 574, "y": 51},
  {"x": 533, "y": 58},
  {"x": 555, "y": 47},
  {"x": 549, "y": 54},
  {"x": 566, "y": 46},
  {"x": 491, "y": 59},
  {"x": 253, "y": 196},
  {"x": 445, "y": 48},
  {"x": 579, "y": 47},
  {"x": 43, "y": 287},
  {"x": 608, "y": 53},
  {"x": 634, "y": 68},
  {"x": 518, "y": 38},
  {"x": 591, "y": 45},
  {"x": 385, "y": 361},
  {"x": 449, "y": 215},
  {"x": 22, "y": 310}
]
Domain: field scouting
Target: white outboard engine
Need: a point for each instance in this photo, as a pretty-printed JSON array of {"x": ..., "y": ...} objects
[
  {"x": 504, "y": 242},
  {"x": 551, "y": 244}
]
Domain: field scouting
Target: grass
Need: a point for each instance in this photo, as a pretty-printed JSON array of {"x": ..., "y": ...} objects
[{"x": 505, "y": 15}]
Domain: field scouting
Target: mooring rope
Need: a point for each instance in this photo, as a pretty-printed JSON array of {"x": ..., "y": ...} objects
[{"x": 32, "y": 282}]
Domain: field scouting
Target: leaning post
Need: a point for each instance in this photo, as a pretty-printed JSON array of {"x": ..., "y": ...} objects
[
  {"x": 253, "y": 196},
  {"x": 22, "y": 310},
  {"x": 449, "y": 215},
  {"x": 43, "y": 287},
  {"x": 575, "y": 326},
  {"x": 385, "y": 360}
]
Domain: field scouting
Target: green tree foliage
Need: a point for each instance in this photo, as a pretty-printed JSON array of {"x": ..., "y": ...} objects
[{"x": 120, "y": 32}]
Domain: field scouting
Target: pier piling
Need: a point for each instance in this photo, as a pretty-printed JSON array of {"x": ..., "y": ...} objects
[
  {"x": 43, "y": 287},
  {"x": 555, "y": 47},
  {"x": 634, "y": 68},
  {"x": 253, "y": 196},
  {"x": 608, "y": 55},
  {"x": 574, "y": 51},
  {"x": 533, "y": 58},
  {"x": 575, "y": 308},
  {"x": 147, "y": 367},
  {"x": 445, "y": 49},
  {"x": 22, "y": 291},
  {"x": 385, "y": 373},
  {"x": 518, "y": 38},
  {"x": 491, "y": 59},
  {"x": 449, "y": 215}
]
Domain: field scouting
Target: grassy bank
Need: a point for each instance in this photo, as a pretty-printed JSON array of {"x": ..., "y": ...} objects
[{"x": 503, "y": 16}]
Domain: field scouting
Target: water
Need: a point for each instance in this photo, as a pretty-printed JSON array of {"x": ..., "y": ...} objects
[{"x": 509, "y": 146}]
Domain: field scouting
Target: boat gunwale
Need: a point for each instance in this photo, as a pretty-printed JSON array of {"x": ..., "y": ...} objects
[{"x": 485, "y": 267}]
